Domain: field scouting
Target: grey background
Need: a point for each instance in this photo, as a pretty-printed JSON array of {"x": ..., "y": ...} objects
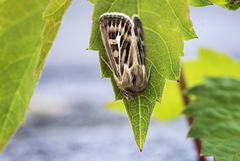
[{"x": 67, "y": 121}]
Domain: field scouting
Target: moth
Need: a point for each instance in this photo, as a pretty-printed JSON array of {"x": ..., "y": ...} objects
[{"x": 123, "y": 39}]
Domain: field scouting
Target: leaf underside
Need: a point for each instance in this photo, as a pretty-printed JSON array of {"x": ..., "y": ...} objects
[
  {"x": 217, "y": 113},
  {"x": 20, "y": 41},
  {"x": 21, "y": 34},
  {"x": 165, "y": 28}
]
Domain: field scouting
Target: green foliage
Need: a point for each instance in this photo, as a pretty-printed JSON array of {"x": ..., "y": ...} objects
[
  {"x": 200, "y": 3},
  {"x": 165, "y": 28},
  {"x": 228, "y": 4},
  {"x": 53, "y": 15},
  {"x": 217, "y": 113},
  {"x": 21, "y": 26},
  {"x": 20, "y": 42}
]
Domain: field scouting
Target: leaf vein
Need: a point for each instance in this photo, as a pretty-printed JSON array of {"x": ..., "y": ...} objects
[
  {"x": 178, "y": 19},
  {"x": 166, "y": 47}
]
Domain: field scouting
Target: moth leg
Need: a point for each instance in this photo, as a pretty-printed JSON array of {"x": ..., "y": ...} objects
[
  {"x": 149, "y": 72},
  {"x": 107, "y": 64}
]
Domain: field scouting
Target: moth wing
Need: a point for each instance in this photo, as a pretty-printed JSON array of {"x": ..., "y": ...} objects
[
  {"x": 138, "y": 31},
  {"x": 116, "y": 33}
]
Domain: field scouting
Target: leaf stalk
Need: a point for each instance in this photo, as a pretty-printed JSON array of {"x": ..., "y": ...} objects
[{"x": 186, "y": 100}]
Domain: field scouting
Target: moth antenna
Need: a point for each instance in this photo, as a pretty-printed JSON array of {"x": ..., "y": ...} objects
[
  {"x": 149, "y": 72},
  {"x": 107, "y": 64}
]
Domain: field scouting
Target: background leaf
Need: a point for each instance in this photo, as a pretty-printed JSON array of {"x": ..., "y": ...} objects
[
  {"x": 228, "y": 4},
  {"x": 53, "y": 15},
  {"x": 21, "y": 26},
  {"x": 165, "y": 28},
  {"x": 200, "y": 3},
  {"x": 210, "y": 63},
  {"x": 217, "y": 113}
]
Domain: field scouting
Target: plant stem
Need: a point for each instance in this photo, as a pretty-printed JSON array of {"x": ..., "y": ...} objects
[{"x": 186, "y": 100}]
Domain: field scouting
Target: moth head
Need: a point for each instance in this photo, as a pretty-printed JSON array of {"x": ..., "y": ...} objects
[{"x": 130, "y": 95}]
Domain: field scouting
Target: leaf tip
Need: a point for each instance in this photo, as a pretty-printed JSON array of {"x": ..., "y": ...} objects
[
  {"x": 188, "y": 135},
  {"x": 89, "y": 47},
  {"x": 140, "y": 147}
]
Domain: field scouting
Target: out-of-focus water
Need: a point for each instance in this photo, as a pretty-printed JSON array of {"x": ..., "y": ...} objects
[{"x": 67, "y": 121}]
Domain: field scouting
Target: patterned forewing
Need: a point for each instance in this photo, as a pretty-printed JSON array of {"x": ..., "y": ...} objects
[
  {"x": 116, "y": 35},
  {"x": 138, "y": 30}
]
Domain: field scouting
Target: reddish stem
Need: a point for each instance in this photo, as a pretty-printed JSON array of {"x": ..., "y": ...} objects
[{"x": 186, "y": 100}]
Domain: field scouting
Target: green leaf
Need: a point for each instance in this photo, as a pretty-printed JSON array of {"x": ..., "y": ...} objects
[
  {"x": 165, "y": 28},
  {"x": 53, "y": 15},
  {"x": 217, "y": 113},
  {"x": 139, "y": 112},
  {"x": 200, "y": 3},
  {"x": 21, "y": 26},
  {"x": 228, "y": 4}
]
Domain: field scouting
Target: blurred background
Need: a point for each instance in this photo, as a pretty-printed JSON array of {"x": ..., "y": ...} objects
[{"x": 67, "y": 119}]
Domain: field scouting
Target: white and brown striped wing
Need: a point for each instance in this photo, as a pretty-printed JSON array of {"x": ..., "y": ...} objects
[{"x": 116, "y": 32}]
